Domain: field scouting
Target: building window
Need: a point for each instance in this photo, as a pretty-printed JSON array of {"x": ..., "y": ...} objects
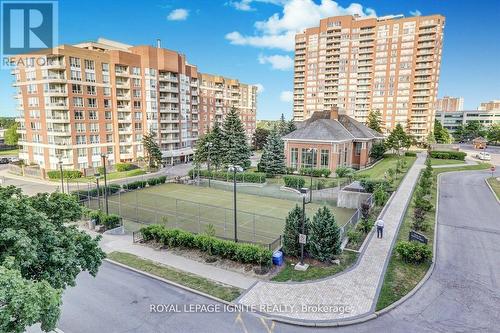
[
  {"x": 89, "y": 64},
  {"x": 325, "y": 157},
  {"x": 357, "y": 148},
  {"x": 294, "y": 157},
  {"x": 76, "y": 75},
  {"x": 79, "y": 115},
  {"x": 82, "y": 152},
  {"x": 90, "y": 77},
  {"x": 93, "y": 115},
  {"x": 77, "y": 101},
  {"x": 309, "y": 158},
  {"x": 91, "y": 102},
  {"x": 105, "y": 67},
  {"x": 74, "y": 62},
  {"x": 76, "y": 88}
]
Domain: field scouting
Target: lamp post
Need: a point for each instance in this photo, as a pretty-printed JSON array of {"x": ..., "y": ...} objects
[
  {"x": 97, "y": 176},
  {"x": 103, "y": 156},
  {"x": 209, "y": 146},
  {"x": 311, "y": 151},
  {"x": 302, "y": 235},
  {"x": 61, "y": 171},
  {"x": 234, "y": 169}
]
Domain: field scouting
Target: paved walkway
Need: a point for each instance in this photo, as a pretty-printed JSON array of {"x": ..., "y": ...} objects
[
  {"x": 124, "y": 243},
  {"x": 356, "y": 290}
]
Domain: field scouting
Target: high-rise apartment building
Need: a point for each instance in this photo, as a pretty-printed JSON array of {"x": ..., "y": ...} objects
[
  {"x": 489, "y": 106},
  {"x": 77, "y": 102},
  {"x": 390, "y": 64},
  {"x": 450, "y": 104},
  {"x": 219, "y": 94}
]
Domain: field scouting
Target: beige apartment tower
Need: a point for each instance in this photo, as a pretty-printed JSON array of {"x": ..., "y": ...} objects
[
  {"x": 490, "y": 106},
  {"x": 390, "y": 64},
  {"x": 450, "y": 104},
  {"x": 77, "y": 102},
  {"x": 219, "y": 95}
]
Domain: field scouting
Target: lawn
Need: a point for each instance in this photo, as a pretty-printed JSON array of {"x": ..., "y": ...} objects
[
  {"x": 389, "y": 162},
  {"x": 400, "y": 277},
  {"x": 495, "y": 185},
  {"x": 9, "y": 152},
  {"x": 192, "y": 281},
  {"x": 439, "y": 161},
  {"x": 347, "y": 259},
  {"x": 259, "y": 219}
]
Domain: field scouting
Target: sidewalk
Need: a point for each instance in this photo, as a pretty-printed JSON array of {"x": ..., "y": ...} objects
[
  {"x": 123, "y": 243},
  {"x": 356, "y": 289}
]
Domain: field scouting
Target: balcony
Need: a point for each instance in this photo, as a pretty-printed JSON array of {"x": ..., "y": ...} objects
[
  {"x": 59, "y": 131},
  {"x": 168, "y": 78}
]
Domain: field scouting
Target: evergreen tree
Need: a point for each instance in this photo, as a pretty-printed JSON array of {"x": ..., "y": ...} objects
[
  {"x": 216, "y": 152},
  {"x": 273, "y": 157},
  {"x": 397, "y": 139},
  {"x": 209, "y": 146},
  {"x": 235, "y": 149},
  {"x": 324, "y": 239},
  {"x": 441, "y": 134},
  {"x": 374, "y": 121},
  {"x": 152, "y": 149},
  {"x": 283, "y": 126},
  {"x": 293, "y": 227},
  {"x": 202, "y": 149},
  {"x": 291, "y": 126}
]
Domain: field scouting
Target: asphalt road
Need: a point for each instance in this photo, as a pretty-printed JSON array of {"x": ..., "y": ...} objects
[{"x": 462, "y": 294}]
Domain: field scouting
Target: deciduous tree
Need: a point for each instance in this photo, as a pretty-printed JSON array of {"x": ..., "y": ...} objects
[
  {"x": 11, "y": 135},
  {"x": 259, "y": 138}
]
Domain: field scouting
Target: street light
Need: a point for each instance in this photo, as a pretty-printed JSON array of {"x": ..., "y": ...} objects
[
  {"x": 209, "y": 145},
  {"x": 234, "y": 169},
  {"x": 61, "y": 171},
  {"x": 302, "y": 235},
  {"x": 97, "y": 176},
  {"x": 103, "y": 156},
  {"x": 311, "y": 151}
]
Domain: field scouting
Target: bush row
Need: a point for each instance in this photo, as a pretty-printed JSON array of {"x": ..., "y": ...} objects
[
  {"x": 244, "y": 253},
  {"x": 322, "y": 172},
  {"x": 135, "y": 185},
  {"x": 125, "y": 167},
  {"x": 157, "y": 180},
  {"x": 448, "y": 155},
  {"x": 67, "y": 174},
  {"x": 294, "y": 181},
  {"x": 247, "y": 177},
  {"x": 110, "y": 221}
]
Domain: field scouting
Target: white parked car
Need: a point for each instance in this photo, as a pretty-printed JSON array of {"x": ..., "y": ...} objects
[{"x": 484, "y": 156}]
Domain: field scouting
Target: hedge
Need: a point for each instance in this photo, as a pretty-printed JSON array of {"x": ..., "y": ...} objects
[
  {"x": 323, "y": 172},
  {"x": 125, "y": 166},
  {"x": 294, "y": 181},
  {"x": 135, "y": 185},
  {"x": 371, "y": 184},
  {"x": 83, "y": 194},
  {"x": 411, "y": 154},
  {"x": 413, "y": 252},
  {"x": 244, "y": 253},
  {"x": 110, "y": 221},
  {"x": 448, "y": 155},
  {"x": 247, "y": 177},
  {"x": 156, "y": 181},
  {"x": 67, "y": 174}
]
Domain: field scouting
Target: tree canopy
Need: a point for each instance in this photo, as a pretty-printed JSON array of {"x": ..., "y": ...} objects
[
  {"x": 235, "y": 149},
  {"x": 152, "y": 149},
  {"x": 11, "y": 135},
  {"x": 493, "y": 133},
  {"x": 41, "y": 255},
  {"x": 398, "y": 139},
  {"x": 273, "y": 156},
  {"x": 259, "y": 138},
  {"x": 441, "y": 134},
  {"x": 374, "y": 121}
]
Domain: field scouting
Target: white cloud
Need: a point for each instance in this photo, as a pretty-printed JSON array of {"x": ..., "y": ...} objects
[
  {"x": 179, "y": 14},
  {"x": 286, "y": 96},
  {"x": 280, "y": 62},
  {"x": 279, "y": 30},
  {"x": 246, "y": 5},
  {"x": 415, "y": 12},
  {"x": 260, "y": 88}
]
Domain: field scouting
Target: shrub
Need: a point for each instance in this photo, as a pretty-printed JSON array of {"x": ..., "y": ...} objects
[
  {"x": 111, "y": 221},
  {"x": 371, "y": 184},
  {"x": 125, "y": 167},
  {"x": 365, "y": 225},
  {"x": 413, "y": 252},
  {"x": 410, "y": 154},
  {"x": 84, "y": 194},
  {"x": 354, "y": 236},
  {"x": 419, "y": 219},
  {"x": 343, "y": 172},
  {"x": 245, "y": 253},
  {"x": 289, "y": 170},
  {"x": 247, "y": 177},
  {"x": 135, "y": 185},
  {"x": 365, "y": 210},
  {"x": 67, "y": 174},
  {"x": 448, "y": 155},
  {"x": 294, "y": 181},
  {"x": 322, "y": 172},
  {"x": 380, "y": 196},
  {"x": 378, "y": 150}
]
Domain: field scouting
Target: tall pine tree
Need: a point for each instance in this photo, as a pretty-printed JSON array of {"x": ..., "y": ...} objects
[
  {"x": 374, "y": 121},
  {"x": 397, "y": 139},
  {"x": 209, "y": 147},
  {"x": 282, "y": 126},
  {"x": 273, "y": 157},
  {"x": 324, "y": 236},
  {"x": 293, "y": 227},
  {"x": 235, "y": 149},
  {"x": 291, "y": 126}
]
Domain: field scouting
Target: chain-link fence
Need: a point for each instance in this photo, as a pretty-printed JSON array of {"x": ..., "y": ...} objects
[{"x": 354, "y": 219}]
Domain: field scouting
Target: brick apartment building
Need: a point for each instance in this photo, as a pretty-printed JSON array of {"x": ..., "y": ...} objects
[
  {"x": 328, "y": 140},
  {"x": 77, "y": 102},
  {"x": 450, "y": 104},
  {"x": 390, "y": 64}
]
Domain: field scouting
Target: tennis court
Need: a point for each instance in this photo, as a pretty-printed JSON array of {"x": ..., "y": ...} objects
[{"x": 260, "y": 219}]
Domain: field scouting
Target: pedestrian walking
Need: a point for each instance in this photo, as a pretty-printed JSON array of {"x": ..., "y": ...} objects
[{"x": 380, "y": 228}]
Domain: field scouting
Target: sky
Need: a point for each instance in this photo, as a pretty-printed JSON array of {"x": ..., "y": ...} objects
[{"x": 252, "y": 40}]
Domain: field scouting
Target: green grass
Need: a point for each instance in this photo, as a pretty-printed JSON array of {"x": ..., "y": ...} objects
[
  {"x": 438, "y": 161},
  {"x": 327, "y": 182},
  {"x": 389, "y": 162},
  {"x": 196, "y": 282},
  {"x": 495, "y": 185},
  {"x": 110, "y": 176},
  {"x": 193, "y": 208},
  {"x": 9, "y": 152},
  {"x": 347, "y": 259},
  {"x": 400, "y": 277}
]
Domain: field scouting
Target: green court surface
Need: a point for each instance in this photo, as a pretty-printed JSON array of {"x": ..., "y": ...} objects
[{"x": 260, "y": 219}]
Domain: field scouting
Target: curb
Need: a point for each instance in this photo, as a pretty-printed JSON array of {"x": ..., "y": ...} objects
[{"x": 492, "y": 191}]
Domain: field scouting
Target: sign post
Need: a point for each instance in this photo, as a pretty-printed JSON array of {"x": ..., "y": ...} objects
[
  {"x": 415, "y": 236},
  {"x": 492, "y": 169}
]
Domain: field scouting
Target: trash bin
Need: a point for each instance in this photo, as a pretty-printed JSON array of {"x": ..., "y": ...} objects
[{"x": 278, "y": 258}]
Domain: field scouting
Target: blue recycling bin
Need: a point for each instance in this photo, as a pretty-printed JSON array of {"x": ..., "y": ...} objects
[{"x": 278, "y": 258}]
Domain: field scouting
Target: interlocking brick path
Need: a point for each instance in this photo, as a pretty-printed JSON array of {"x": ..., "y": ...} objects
[{"x": 355, "y": 291}]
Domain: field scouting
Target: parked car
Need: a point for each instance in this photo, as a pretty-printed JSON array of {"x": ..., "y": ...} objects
[
  {"x": 484, "y": 156},
  {"x": 4, "y": 160}
]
